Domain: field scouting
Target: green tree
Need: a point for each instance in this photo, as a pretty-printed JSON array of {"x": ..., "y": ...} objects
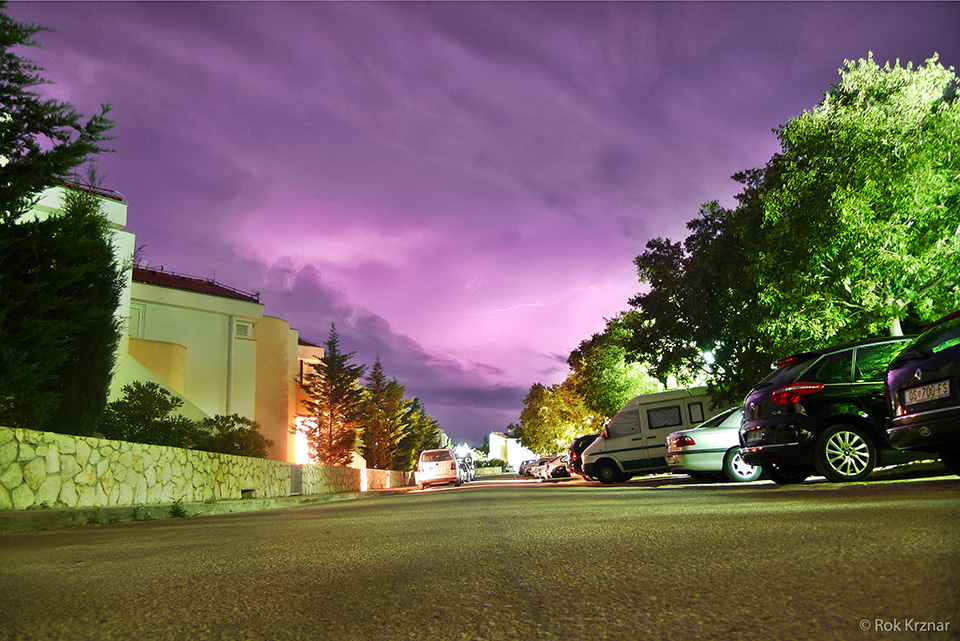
[
  {"x": 383, "y": 418},
  {"x": 147, "y": 413},
  {"x": 59, "y": 286},
  {"x": 421, "y": 432},
  {"x": 553, "y": 416},
  {"x": 870, "y": 181},
  {"x": 41, "y": 141},
  {"x": 849, "y": 232},
  {"x": 334, "y": 405},
  {"x": 232, "y": 434},
  {"x": 601, "y": 374}
]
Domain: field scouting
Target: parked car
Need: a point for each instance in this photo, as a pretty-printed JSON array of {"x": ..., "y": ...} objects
[
  {"x": 574, "y": 458},
  {"x": 711, "y": 451},
  {"x": 436, "y": 467},
  {"x": 534, "y": 467},
  {"x": 554, "y": 468},
  {"x": 923, "y": 389},
  {"x": 822, "y": 411},
  {"x": 524, "y": 468}
]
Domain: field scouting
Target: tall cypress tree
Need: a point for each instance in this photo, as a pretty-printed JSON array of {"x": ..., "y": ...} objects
[
  {"x": 384, "y": 412},
  {"x": 335, "y": 403},
  {"x": 59, "y": 285}
]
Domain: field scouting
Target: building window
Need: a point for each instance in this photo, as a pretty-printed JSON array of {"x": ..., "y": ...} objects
[{"x": 135, "y": 321}]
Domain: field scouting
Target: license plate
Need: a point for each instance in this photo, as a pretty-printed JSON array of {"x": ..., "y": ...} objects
[{"x": 926, "y": 393}]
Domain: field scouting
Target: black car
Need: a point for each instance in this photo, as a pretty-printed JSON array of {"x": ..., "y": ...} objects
[
  {"x": 822, "y": 411},
  {"x": 923, "y": 389},
  {"x": 574, "y": 462}
]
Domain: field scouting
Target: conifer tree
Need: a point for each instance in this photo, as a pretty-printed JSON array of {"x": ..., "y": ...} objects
[
  {"x": 334, "y": 405},
  {"x": 384, "y": 411},
  {"x": 59, "y": 284}
]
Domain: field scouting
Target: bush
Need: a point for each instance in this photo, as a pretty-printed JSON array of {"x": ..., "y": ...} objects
[
  {"x": 232, "y": 434},
  {"x": 496, "y": 462},
  {"x": 146, "y": 414}
]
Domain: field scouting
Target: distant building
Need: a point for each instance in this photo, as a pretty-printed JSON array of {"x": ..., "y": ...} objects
[{"x": 509, "y": 449}]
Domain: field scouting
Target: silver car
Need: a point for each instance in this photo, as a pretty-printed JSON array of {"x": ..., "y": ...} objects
[
  {"x": 437, "y": 466},
  {"x": 711, "y": 451}
]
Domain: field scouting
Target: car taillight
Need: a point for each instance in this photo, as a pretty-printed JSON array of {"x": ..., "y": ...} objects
[
  {"x": 685, "y": 441},
  {"x": 453, "y": 466},
  {"x": 790, "y": 394}
]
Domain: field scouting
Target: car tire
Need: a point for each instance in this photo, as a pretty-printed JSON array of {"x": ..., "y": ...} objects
[
  {"x": 844, "y": 453},
  {"x": 608, "y": 472},
  {"x": 951, "y": 459},
  {"x": 738, "y": 471},
  {"x": 785, "y": 474}
]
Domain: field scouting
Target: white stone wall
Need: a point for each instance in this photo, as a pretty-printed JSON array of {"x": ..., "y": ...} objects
[
  {"x": 386, "y": 479},
  {"x": 44, "y": 469}
]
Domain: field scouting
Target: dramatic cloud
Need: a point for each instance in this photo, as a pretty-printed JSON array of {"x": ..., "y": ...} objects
[{"x": 460, "y": 187}]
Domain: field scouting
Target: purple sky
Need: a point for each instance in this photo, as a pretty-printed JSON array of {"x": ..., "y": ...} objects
[{"x": 462, "y": 187}]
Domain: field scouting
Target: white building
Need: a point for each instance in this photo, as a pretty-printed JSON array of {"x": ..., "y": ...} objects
[{"x": 509, "y": 449}]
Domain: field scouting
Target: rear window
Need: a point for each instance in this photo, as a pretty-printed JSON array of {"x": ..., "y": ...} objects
[
  {"x": 433, "y": 456},
  {"x": 787, "y": 372},
  {"x": 940, "y": 337},
  {"x": 719, "y": 418}
]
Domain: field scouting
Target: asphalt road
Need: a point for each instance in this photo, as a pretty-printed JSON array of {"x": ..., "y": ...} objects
[{"x": 652, "y": 559}]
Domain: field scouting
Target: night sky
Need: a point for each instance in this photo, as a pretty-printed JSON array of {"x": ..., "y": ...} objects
[{"x": 460, "y": 187}]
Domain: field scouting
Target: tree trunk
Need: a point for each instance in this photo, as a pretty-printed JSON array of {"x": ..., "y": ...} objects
[{"x": 895, "y": 329}]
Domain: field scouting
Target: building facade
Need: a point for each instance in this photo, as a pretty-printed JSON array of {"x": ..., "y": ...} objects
[{"x": 209, "y": 344}]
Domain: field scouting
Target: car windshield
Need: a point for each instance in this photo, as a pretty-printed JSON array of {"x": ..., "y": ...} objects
[{"x": 436, "y": 455}]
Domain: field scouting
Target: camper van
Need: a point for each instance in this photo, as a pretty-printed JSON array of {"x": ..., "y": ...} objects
[{"x": 634, "y": 441}]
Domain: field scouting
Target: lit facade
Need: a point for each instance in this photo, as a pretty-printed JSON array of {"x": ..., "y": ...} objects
[{"x": 209, "y": 344}]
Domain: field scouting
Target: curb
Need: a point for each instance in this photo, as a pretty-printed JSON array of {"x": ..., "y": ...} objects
[{"x": 49, "y": 519}]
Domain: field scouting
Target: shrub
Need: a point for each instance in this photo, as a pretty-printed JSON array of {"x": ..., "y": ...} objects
[
  {"x": 232, "y": 434},
  {"x": 146, "y": 414}
]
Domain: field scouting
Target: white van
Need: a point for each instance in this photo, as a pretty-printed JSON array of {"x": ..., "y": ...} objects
[{"x": 634, "y": 441}]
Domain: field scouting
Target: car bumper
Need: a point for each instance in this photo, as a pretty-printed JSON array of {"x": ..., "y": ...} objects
[
  {"x": 711, "y": 461},
  {"x": 436, "y": 479},
  {"x": 782, "y": 442},
  {"x": 926, "y": 431},
  {"x": 790, "y": 454}
]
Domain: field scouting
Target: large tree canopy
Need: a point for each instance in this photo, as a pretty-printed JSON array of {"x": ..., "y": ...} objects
[{"x": 850, "y": 231}]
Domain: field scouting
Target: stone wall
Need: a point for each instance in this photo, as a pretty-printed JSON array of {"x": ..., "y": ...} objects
[
  {"x": 44, "y": 469},
  {"x": 386, "y": 479}
]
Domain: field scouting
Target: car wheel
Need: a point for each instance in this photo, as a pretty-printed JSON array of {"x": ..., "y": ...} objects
[
  {"x": 737, "y": 470},
  {"x": 607, "y": 472},
  {"x": 951, "y": 459},
  {"x": 785, "y": 474},
  {"x": 844, "y": 453}
]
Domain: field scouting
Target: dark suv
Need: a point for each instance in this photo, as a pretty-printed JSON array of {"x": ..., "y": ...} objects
[
  {"x": 923, "y": 388},
  {"x": 574, "y": 464},
  {"x": 822, "y": 411}
]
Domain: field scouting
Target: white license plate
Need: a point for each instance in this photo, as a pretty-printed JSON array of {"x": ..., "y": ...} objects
[{"x": 925, "y": 393}]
